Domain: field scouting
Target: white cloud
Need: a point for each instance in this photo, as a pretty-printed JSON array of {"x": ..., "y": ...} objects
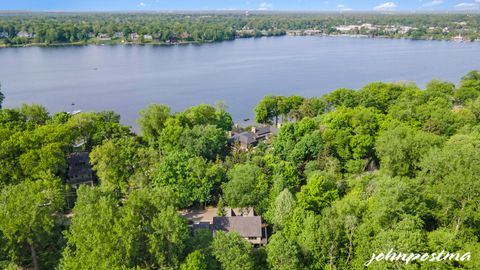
[
  {"x": 142, "y": 4},
  {"x": 433, "y": 3},
  {"x": 386, "y": 6},
  {"x": 343, "y": 8},
  {"x": 468, "y": 6},
  {"x": 265, "y": 6}
]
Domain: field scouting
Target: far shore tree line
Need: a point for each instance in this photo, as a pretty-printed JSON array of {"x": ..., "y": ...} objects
[{"x": 17, "y": 29}]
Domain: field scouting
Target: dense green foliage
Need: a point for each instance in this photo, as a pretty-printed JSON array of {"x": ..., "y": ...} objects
[
  {"x": 351, "y": 173},
  {"x": 168, "y": 28}
]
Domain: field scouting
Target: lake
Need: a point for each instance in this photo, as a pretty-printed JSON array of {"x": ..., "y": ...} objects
[{"x": 240, "y": 72}]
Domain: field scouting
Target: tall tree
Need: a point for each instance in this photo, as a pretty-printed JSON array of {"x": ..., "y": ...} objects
[
  {"x": 29, "y": 212},
  {"x": 152, "y": 121},
  {"x": 232, "y": 251},
  {"x": 282, "y": 253},
  {"x": 2, "y": 97},
  {"x": 246, "y": 187},
  {"x": 282, "y": 208}
]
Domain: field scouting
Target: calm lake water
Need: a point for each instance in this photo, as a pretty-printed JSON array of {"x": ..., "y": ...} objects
[{"x": 240, "y": 72}]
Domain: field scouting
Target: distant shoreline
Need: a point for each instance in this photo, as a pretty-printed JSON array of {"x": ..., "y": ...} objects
[{"x": 116, "y": 43}]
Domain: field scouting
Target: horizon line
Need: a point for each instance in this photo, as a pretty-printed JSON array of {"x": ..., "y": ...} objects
[{"x": 247, "y": 10}]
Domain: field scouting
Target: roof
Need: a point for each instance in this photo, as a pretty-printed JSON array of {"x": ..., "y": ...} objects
[
  {"x": 245, "y": 226},
  {"x": 249, "y": 137},
  {"x": 266, "y": 130},
  {"x": 244, "y": 137},
  {"x": 78, "y": 164}
]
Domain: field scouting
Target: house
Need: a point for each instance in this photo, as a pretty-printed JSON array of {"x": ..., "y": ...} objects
[
  {"x": 248, "y": 225},
  {"x": 134, "y": 36},
  {"x": 253, "y": 137},
  {"x": 24, "y": 34},
  {"x": 79, "y": 170},
  {"x": 185, "y": 36},
  {"x": 102, "y": 36},
  {"x": 4, "y": 35},
  {"x": 118, "y": 35},
  {"x": 147, "y": 37}
]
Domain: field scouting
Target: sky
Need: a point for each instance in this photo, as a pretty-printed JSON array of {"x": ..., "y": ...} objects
[{"x": 313, "y": 5}]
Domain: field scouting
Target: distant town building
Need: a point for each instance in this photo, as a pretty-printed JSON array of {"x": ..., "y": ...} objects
[
  {"x": 347, "y": 28},
  {"x": 79, "y": 170},
  {"x": 405, "y": 29},
  {"x": 312, "y": 32},
  {"x": 4, "y": 35},
  {"x": 147, "y": 37},
  {"x": 248, "y": 225},
  {"x": 253, "y": 137}
]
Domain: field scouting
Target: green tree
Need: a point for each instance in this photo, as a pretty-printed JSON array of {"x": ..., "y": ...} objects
[
  {"x": 451, "y": 175},
  {"x": 152, "y": 121},
  {"x": 342, "y": 98},
  {"x": 193, "y": 179},
  {"x": 381, "y": 95},
  {"x": 35, "y": 113},
  {"x": 2, "y": 97},
  {"x": 92, "y": 240},
  {"x": 208, "y": 141},
  {"x": 282, "y": 253},
  {"x": 29, "y": 213},
  {"x": 168, "y": 239},
  {"x": 246, "y": 186},
  {"x": 267, "y": 110},
  {"x": 319, "y": 192},
  {"x": 117, "y": 162},
  {"x": 282, "y": 208},
  {"x": 195, "y": 261},
  {"x": 232, "y": 251},
  {"x": 400, "y": 148}
]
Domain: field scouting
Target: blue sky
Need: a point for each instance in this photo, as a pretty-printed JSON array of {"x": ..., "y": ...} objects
[{"x": 329, "y": 5}]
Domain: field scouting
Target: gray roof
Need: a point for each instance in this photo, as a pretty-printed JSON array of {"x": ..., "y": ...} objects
[
  {"x": 245, "y": 138},
  {"x": 248, "y": 137},
  {"x": 79, "y": 166},
  {"x": 263, "y": 131},
  {"x": 245, "y": 226}
]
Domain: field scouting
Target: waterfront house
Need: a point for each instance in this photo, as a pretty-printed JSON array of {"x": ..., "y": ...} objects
[
  {"x": 247, "y": 139},
  {"x": 147, "y": 37},
  {"x": 4, "y": 35},
  {"x": 248, "y": 225},
  {"x": 134, "y": 36},
  {"x": 79, "y": 170},
  {"x": 118, "y": 35},
  {"x": 185, "y": 36},
  {"x": 24, "y": 34},
  {"x": 103, "y": 36}
]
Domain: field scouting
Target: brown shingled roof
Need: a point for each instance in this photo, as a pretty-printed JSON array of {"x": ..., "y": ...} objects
[{"x": 245, "y": 226}]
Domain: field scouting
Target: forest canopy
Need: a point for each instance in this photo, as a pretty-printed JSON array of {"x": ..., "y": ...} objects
[{"x": 349, "y": 174}]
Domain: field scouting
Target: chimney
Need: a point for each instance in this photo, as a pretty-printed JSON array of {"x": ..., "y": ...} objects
[{"x": 254, "y": 129}]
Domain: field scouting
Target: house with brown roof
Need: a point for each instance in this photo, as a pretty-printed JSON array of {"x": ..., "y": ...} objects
[{"x": 248, "y": 225}]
